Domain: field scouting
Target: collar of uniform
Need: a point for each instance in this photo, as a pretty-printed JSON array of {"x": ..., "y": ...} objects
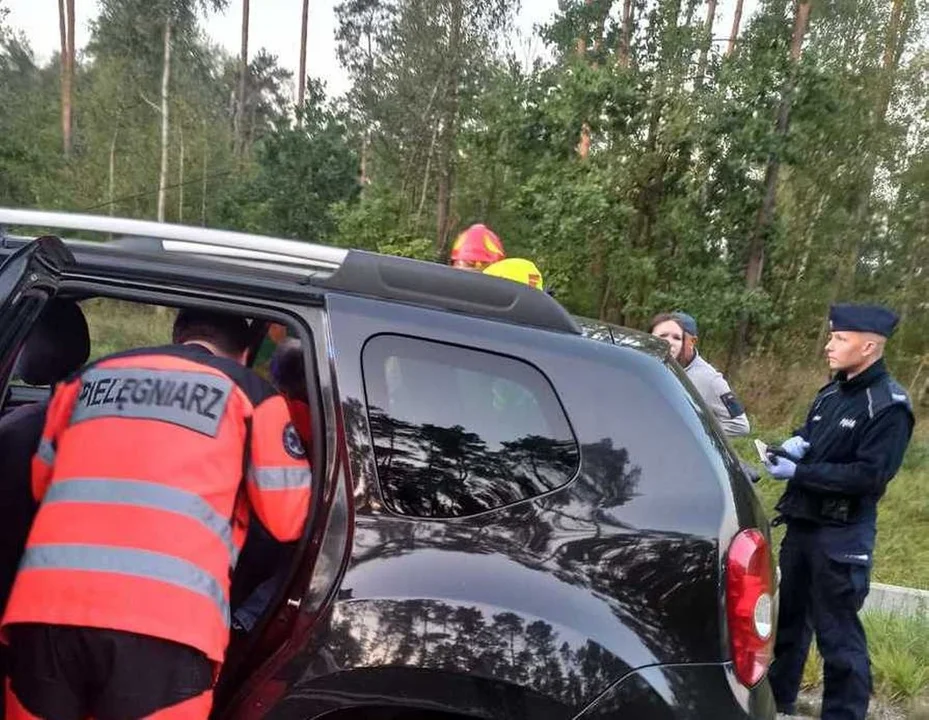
[
  {"x": 877, "y": 370},
  {"x": 197, "y": 347}
]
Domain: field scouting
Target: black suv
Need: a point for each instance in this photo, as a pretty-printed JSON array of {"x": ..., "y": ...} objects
[{"x": 516, "y": 513}]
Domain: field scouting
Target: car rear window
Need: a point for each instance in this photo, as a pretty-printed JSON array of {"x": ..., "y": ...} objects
[{"x": 459, "y": 431}]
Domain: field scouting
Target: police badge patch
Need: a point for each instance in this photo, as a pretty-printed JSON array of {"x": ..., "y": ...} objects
[
  {"x": 732, "y": 404},
  {"x": 293, "y": 445}
]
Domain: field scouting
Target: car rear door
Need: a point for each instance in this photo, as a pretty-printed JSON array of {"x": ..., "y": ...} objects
[{"x": 28, "y": 279}]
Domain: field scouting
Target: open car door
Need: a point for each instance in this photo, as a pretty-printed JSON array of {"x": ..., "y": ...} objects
[{"x": 28, "y": 279}]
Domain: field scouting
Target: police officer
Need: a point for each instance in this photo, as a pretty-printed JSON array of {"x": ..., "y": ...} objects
[
  {"x": 837, "y": 466},
  {"x": 679, "y": 330},
  {"x": 148, "y": 465}
]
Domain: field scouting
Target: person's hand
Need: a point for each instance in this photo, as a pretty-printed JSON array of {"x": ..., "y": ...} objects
[
  {"x": 750, "y": 472},
  {"x": 781, "y": 468},
  {"x": 796, "y": 447}
]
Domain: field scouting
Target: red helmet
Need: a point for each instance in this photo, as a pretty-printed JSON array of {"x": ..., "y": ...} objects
[{"x": 477, "y": 244}]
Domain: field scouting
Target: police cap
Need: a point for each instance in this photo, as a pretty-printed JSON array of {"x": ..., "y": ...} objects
[{"x": 863, "y": 318}]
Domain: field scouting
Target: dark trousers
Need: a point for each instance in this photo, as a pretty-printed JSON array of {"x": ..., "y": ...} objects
[
  {"x": 823, "y": 585},
  {"x": 60, "y": 672}
]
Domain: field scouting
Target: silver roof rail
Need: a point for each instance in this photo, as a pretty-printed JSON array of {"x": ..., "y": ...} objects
[{"x": 185, "y": 238}]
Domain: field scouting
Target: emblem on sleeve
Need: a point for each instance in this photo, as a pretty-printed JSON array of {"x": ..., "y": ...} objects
[
  {"x": 293, "y": 445},
  {"x": 732, "y": 404}
]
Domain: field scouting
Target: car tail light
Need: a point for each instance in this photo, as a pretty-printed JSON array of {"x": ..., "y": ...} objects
[{"x": 750, "y": 606}]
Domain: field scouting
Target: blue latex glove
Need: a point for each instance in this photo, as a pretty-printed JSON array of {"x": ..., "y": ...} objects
[
  {"x": 781, "y": 468},
  {"x": 796, "y": 447}
]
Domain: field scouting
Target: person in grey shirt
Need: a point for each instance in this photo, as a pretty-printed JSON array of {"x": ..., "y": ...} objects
[{"x": 679, "y": 330}]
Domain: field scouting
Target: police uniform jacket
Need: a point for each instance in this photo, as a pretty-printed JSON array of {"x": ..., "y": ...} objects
[{"x": 858, "y": 430}]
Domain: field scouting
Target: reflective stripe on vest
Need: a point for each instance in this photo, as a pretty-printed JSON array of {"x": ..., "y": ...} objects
[
  {"x": 280, "y": 478},
  {"x": 193, "y": 400},
  {"x": 147, "y": 495},
  {"x": 126, "y": 561},
  {"x": 46, "y": 451}
]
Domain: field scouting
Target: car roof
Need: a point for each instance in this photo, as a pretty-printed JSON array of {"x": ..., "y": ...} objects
[
  {"x": 623, "y": 337},
  {"x": 188, "y": 249}
]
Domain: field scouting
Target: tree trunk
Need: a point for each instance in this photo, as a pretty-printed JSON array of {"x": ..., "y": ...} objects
[
  {"x": 65, "y": 25},
  {"x": 766, "y": 213},
  {"x": 756, "y": 248},
  {"x": 365, "y": 146},
  {"x": 625, "y": 38},
  {"x": 652, "y": 189},
  {"x": 910, "y": 296},
  {"x": 112, "y": 179},
  {"x": 165, "y": 77},
  {"x": 889, "y": 66},
  {"x": 180, "y": 178},
  {"x": 845, "y": 278},
  {"x": 426, "y": 175},
  {"x": 796, "y": 280},
  {"x": 72, "y": 54},
  {"x": 366, "y": 135},
  {"x": 243, "y": 80},
  {"x": 601, "y": 30},
  {"x": 301, "y": 80},
  {"x": 583, "y": 145},
  {"x": 449, "y": 130},
  {"x": 736, "y": 23},
  {"x": 206, "y": 151},
  {"x": 707, "y": 42},
  {"x": 443, "y": 208}
]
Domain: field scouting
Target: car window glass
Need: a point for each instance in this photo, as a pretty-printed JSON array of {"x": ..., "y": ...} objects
[
  {"x": 11, "y": 272},
  {"x": 119, "y": 325},
  {"x": 458, "y": 431}
]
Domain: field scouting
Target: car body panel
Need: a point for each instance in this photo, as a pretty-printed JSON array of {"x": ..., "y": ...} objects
[
  {"x": 563, "y": 594},
  {"x": 683, "y": 692},
  {"x": 603, "y": 593}
]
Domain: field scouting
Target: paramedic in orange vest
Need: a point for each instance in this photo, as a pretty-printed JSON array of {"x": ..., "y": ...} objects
[
  {"x": 148, "y": 466},
  {"x": 476, "y": 248}
]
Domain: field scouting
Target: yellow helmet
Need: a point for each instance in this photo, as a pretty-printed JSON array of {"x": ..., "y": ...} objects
[{"x": 518, "y": 270}]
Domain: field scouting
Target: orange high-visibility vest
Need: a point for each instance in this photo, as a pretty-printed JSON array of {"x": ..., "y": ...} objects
[
  {"x": 300, "y": 416},
  {"x": 146, "y": 469}
]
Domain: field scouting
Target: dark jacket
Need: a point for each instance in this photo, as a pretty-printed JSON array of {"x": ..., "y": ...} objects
[
  {"x": 858, "y": 431},
  {"x": 20, "y": 431}
]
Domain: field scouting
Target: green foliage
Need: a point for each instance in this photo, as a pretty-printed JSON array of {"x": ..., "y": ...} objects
[
  {"x": 19, "y": 76},
  {"x": 375, "y": 219},
  {"x": 899, "y": 650},
  {"x": 301, "y": 171},
  {"x": 445, "y": 129},
  {"x": 410, "y": 247}
]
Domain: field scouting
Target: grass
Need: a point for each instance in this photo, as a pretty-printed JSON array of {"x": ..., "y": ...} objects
[
  {"x": 901, "y": 556},
  {"x": 116, "y": 325},
  {"x": 899, "y": 650}
]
